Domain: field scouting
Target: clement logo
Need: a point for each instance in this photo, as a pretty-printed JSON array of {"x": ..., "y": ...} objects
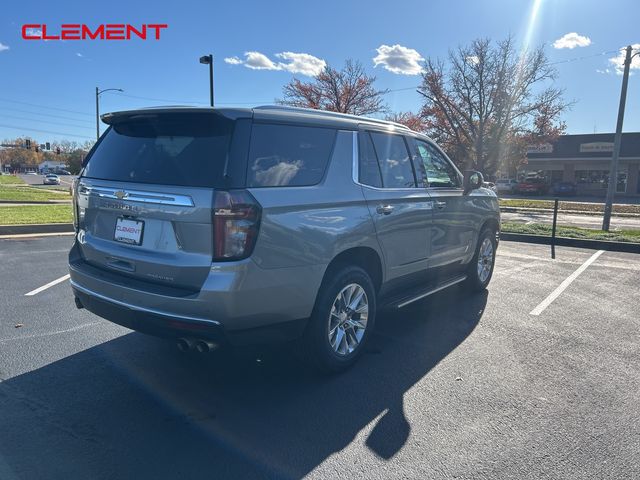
[{"x": 80, "y": 31}]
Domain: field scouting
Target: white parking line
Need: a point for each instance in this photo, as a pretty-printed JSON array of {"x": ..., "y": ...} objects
[
  {"x": 50, "y": 284},
  {"x": 561, "y": 288}
]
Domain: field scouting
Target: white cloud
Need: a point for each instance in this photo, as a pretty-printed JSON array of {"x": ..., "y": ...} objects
[
  {"x": 79, "y": 55},
  {"x": 399, "y": 59},
  {"x": 473, "y": 59},
  {"x": 3, "y": 47},
  {"x": 302, "y": 63},
  {"x": 259, "y": 61},
  {"x": 572, "y": 40},
  {"x": 617, "y": 62}
]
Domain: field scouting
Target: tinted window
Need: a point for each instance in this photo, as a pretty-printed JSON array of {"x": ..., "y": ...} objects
[
  {"x": 439, "y": 172},
  {"x": 186, "y": 149},
  {"x": 394, "y": 161},
  {"x": 282, "y": 155},
  {"x": 368, "y": 168}
]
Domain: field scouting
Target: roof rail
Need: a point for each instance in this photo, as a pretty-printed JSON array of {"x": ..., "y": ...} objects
[{"x": 313, "y": 111}]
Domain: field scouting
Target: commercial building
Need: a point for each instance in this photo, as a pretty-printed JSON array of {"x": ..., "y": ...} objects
[
  {"x": 51, "y": 166},
  {"x": 585, "y": 160}
]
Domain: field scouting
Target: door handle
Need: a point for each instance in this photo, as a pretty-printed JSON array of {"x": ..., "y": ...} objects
[
  {"x": 441, "y": 205},
  {"x": 384, "y": 209}
]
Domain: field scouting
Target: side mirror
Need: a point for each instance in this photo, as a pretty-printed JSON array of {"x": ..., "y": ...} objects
[{"x": 472, "y": 180}]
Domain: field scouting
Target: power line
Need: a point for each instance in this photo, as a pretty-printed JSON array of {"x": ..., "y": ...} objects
[
  {"x": 15, "y": 117},
  {"x": 188, "y": 101},
  {"x": 87, "y": 122},
  {"x": 577, "y": 59},
  {"x": 158, "y": 99},
  {"x": 45, "y": 107},
  {"x": 18, "y": 127}
]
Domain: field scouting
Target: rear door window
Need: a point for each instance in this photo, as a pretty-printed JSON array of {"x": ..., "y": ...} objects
[
  {"x": 368, "y": 168},
  {"x": 186, "y": 149},
  {"x": 288, "y": 155},
  {"x": 439, "y": 172},
  {"x": 394, "y": 160}
]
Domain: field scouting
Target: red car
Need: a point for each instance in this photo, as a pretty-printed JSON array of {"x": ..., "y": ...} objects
[{"x": 536, "y": 186}]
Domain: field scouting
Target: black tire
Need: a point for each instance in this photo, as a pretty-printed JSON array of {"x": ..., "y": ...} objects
[
  {"x": 474, "y": 282},
  {"x": 315, "y": 346}
]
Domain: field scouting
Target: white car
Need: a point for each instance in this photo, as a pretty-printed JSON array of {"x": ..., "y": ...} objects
[
  {"x": 490, "y": 185},
  {"x": 51, "y": 179},
  {"x": 506, "y": 185}
]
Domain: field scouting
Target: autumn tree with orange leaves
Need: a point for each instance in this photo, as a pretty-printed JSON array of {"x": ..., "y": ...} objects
[
  {"x": 489, "y": 102},
  {"x": 408, "y": 119},
  {"x": 349, "y": 90}
]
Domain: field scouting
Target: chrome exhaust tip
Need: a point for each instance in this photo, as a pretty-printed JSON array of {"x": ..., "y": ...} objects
[
  {"x": 205, "y": 346},
  {"x": 185, "y": 344}
]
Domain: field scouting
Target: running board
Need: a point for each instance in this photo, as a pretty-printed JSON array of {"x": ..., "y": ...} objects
[{"x": 403, "y": 302}]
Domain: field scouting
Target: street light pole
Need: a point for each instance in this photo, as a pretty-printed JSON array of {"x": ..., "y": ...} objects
[
  {"x": 97, "y": 115},
  {"x": 613, "y": 172},
  {"x": 98, "y": 93},
  {"x": 208, "y": 60}
]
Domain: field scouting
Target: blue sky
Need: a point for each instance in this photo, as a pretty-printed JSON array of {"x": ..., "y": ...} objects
[{"x": 62, "y": 76}]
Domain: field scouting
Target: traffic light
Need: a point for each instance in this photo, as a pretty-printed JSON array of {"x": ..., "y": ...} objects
[
  {"x": 27, "y": 144},
  {"x": 47, "y": 146}
]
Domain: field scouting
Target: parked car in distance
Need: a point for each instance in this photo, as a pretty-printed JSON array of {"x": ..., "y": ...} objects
[
  {"x": 564, "y": 188},
  {"x": 506, "y": 185},
  {"x": 31, "y": 173},
  {"x": 51, "y": 179},
  {"x": 536, "y": 186},
  {"x": 490, "y": 185},
  {"x": 232, "y": 226}
]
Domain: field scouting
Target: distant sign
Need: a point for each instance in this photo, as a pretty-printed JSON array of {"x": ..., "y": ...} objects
[
  {"x": 596, "y": 147},
  {"x": 542, "y": 148}
]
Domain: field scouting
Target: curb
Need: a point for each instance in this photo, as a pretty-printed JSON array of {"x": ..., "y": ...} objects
[
  {"x": 35, "y": 202},
  {"x": 36, "y": 228},
  {"x": 627, "y": 247}
]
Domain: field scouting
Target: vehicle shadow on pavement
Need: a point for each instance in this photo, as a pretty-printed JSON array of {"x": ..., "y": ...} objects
[{"x": 135, "y": 407}]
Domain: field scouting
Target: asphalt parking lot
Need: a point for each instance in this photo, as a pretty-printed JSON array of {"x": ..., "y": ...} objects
[{"x": 537, "y": 378}]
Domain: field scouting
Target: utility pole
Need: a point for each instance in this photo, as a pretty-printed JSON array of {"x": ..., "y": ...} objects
[
  {"x": 97, "y": 114},
  {"x": 613, "y": 172}
]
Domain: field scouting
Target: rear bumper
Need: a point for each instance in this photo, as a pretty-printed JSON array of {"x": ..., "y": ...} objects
[
  {"x": 239, "y": 301},
  {"x": 165, "y": 325}
]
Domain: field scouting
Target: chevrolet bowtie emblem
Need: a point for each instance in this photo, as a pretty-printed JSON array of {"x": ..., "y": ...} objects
[{"x": 121, "y": 194}]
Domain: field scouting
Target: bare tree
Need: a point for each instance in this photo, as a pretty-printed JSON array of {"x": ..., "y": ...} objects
[
  {"x": 349, "y": 90},
  {"x": 489, "y": 102},
  {"x": 408, "y": 119}
]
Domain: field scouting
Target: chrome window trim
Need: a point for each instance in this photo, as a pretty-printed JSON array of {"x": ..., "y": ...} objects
[
  {"x": 139, "y": 196},
  {"x": 355, "y": 173}
]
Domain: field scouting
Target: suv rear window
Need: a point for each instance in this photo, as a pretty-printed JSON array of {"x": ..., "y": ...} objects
[
  {"x": 287, "y": 155},
  {"x": 186, "y": 149}
]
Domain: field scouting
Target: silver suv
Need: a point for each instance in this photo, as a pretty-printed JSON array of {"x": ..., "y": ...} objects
[{"x": 216, "y": 226}]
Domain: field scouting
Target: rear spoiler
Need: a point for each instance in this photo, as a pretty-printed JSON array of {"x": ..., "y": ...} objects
[{"x": 112, "y": 118}]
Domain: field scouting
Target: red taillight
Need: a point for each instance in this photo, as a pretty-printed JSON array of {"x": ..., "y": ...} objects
[{"x": 236, "y": 220}]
